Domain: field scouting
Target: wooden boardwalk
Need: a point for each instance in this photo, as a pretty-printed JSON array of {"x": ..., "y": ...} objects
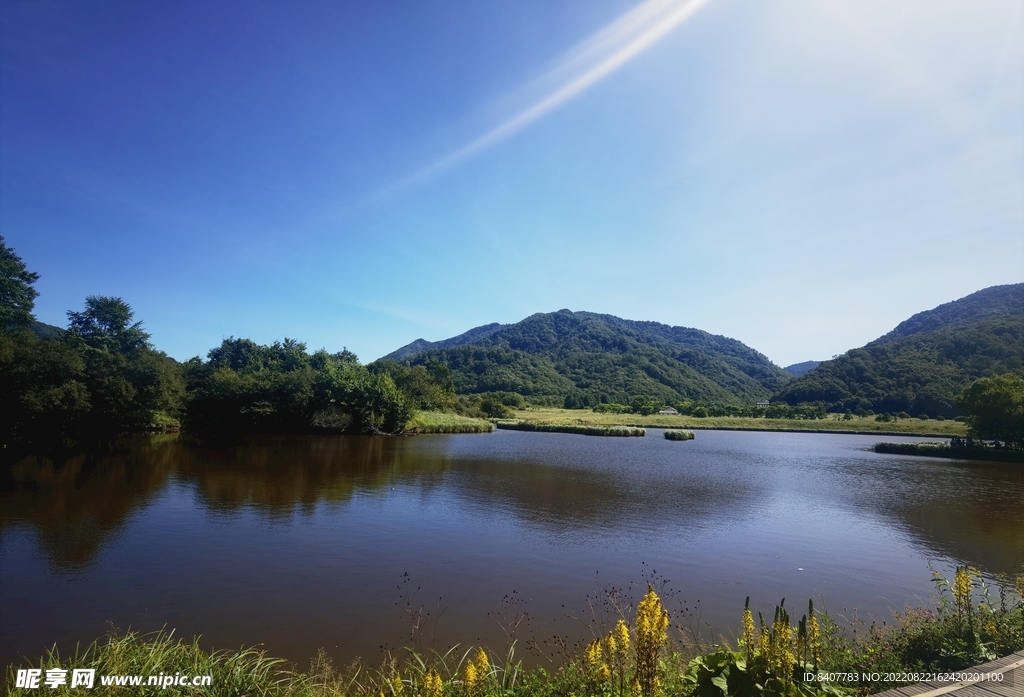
[{"x": 1012, "y": 685}]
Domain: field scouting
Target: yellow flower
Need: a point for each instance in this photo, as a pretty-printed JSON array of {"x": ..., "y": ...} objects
[
  {"x": 396, "y": 684},
  {"x": 469, "y": 676},
  {"x": 813, "y": 636},
  {"x": 962, "y": 587},
  {"x": 764, "y": 643},
  {"x": 432, "y": 684},
  {"x": 748, "y": 627},
  {"x": 782, "y": 646},
  {"x": 651, "y": 635},
  {"x": 604, "y": 673},
  {"x": 622, "y": 636},
  {"x": 610, "y": 645},
  {"x": 483, "y": 665},
  {"x": 593, "y": 656}
]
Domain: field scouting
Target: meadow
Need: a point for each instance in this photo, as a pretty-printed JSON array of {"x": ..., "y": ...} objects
[
  {"x": 834, "y": 423},
  {"x": 577, "y": 428}
]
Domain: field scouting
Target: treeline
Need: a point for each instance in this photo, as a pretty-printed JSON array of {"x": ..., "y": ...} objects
[
  {"x": 99, "y": 378},
  {"x": 103, "y": 376},
  {"x": 646, "y": 406}
]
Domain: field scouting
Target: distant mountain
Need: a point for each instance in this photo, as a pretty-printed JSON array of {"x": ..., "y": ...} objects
[
  {"x": 582, "y": 358},
  {"x": 799, "y": 369},
  {"x": 46, "y": 331},
  {"x": 922, "y": 364},
  {"x": 421, "y": 345}
]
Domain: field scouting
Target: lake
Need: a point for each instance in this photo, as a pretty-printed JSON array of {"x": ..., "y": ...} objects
[{"x": 302, "y": 542}]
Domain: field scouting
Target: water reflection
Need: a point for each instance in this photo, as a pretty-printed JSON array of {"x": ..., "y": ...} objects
[
  {"x": 78, "y": 504},
  {"x": 315, "y": 531},
  {"x": 972, "y": 512}
]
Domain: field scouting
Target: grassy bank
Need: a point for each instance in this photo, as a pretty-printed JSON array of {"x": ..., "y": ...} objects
[
  {"x": 579, "y": 429},
  {"x": 437, "y": 422},
  {"x": 675, "y": 434},
  {"x": 856, "y": 424},
  {"x": 944, "y": 450},
  {"x": 638, "y": 651}
]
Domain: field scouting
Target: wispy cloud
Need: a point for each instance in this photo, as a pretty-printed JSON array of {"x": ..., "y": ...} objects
[{"x": 580, "y": 69}]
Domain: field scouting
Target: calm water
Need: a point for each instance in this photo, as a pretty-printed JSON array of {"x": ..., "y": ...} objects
[{"x": 301, "y": 543}]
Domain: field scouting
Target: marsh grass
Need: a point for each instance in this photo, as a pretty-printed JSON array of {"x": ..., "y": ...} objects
[
  {"x": 438, "y": 422},
  {"x": 944, "y": 450},
  {"x": 579, "y": 429},
  {"x": 855, "y": 424},
  {"x": 676, "y": 434}
]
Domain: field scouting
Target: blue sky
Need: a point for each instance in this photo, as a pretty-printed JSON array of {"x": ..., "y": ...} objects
[{"x": 801, "y": 176}]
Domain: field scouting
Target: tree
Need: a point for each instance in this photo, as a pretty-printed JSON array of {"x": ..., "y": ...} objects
[
  {"x": 128, "y": 381},
  {"x": 995, "y": 409},
  {"x": 17, "y": 296},
  {"x": 106, "y": 324}
]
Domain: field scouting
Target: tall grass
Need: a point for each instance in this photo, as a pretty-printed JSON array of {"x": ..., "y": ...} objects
[
  {"x": 641, "y": 651},
  {"x": 677, "y": 434},
  {"x": 438, "y": 422},
  {"x": 944, "y": 450},
  {"x": 580, "y": 429}
]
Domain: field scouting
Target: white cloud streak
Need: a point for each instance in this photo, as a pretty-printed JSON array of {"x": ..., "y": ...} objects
[{"x": 583, "y": 67}]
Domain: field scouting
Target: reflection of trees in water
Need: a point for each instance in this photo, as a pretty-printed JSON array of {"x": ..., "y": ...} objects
[
  {"x": 77, "y": 505},
  {"x": 569, "y": 498},
  {"x": 971, "y": 512},
  {"x": 276, "y": 475}
]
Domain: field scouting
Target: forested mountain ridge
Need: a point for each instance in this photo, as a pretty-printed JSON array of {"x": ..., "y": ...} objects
[
  {"x": 421, "y": 345},
  {"x": 802, "y": 368},
  {"x": 922, "y": 365},
  {"x": 994, "y": 301},
  {"x": 583, "y": 358}
]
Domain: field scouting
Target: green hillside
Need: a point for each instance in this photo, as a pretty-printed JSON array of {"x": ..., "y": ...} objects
[
  {"x": 799, "y": 369},
  {"x": 995, "y": 301},
  {"x": 920, "y": 373},
  {"x": 582, "y": 358}
]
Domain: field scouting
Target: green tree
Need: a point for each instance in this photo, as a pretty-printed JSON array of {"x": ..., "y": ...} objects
[
  {"x": 17, "y": 295},
  {"x": 995, "y": 409},
  {"x": 127, "y": 380},
  {"x": 106, "y": 323}
]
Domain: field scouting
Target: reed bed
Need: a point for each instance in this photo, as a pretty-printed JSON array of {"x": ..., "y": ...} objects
[
  {"x": 437, "y": 422},
  {"x": 944, "y": 450},
  {"x": 678, "y": 434},
  {"x": 579, "y": 429}
]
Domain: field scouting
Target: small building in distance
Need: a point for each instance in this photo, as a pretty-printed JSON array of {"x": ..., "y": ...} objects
[
  {"x": 763, "y": 405},
  {"x": 669, "y": 411}
]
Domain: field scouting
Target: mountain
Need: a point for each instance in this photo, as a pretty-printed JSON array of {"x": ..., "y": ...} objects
[
  {"x": 994, "y": 301},
  {"x": 46, "y": 331},
  {"x": 923, "y": 364},
  {"x": 583, "y": 358},
  {"x": 421, "y": 345},
  {"x": 798, "y": 369}
]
